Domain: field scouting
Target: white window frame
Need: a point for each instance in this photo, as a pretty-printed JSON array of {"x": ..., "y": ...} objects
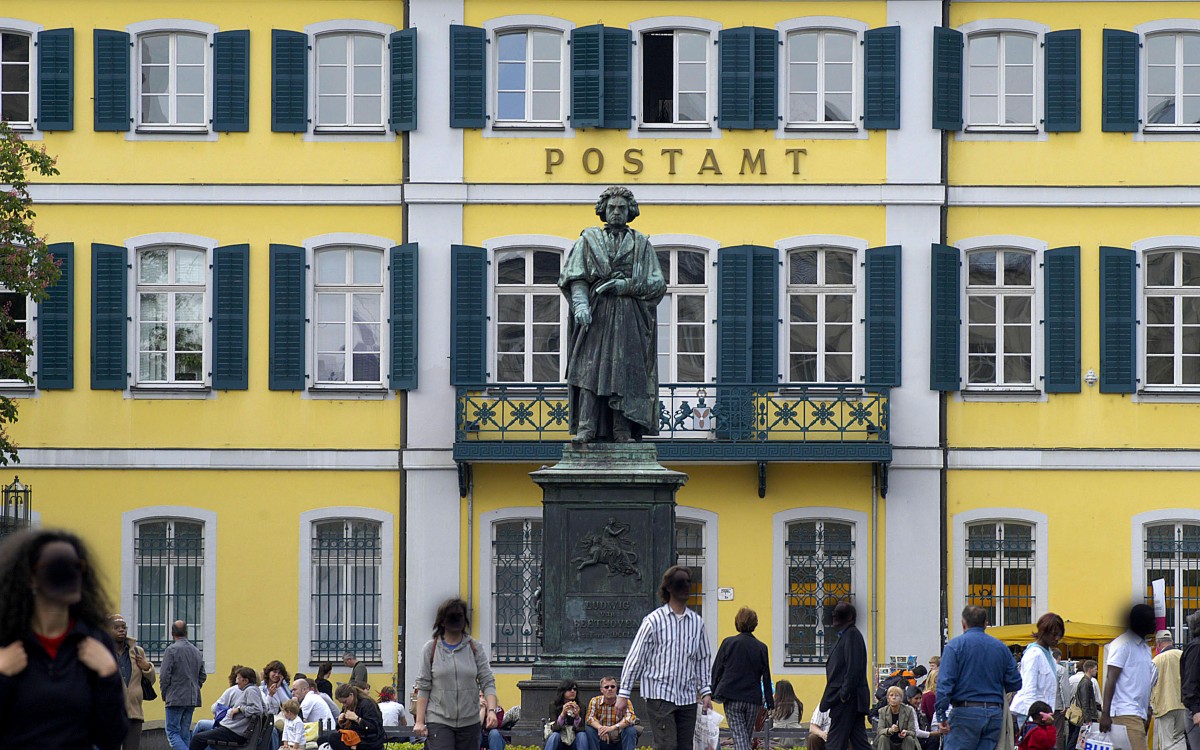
[
  {"x": 13, "y": 386},
  {"x": 1141, "y": 248},
  {"x": 134, "y": 245},
  {"x": 853, "y": 245},
  {"x": 208, "y": 584},
  {"x": 1000, "y": 242},
  {"x": 496, "y": 128},
  {"x": 140, "y": 132},
  {"x": 1041, "y": 546},
  {"x": 387, "y": 582},
  {"x": 1160, "y": 132},
  {"x": 708, "y": 246},
  {"x": 779, "y": 581},
  {"x": 1036, "y": 131},
  {"x": 28, "y": 130},
  {"x": 348, "y": 289},
  {"x": 383, "y": 133},
  {"x": 851, "y": 129},
  {"x": 712, "y": 567},
  {"x": 704, "y": 129},
  {"x": 1139, "y": 524},
  {"x": 367, "y": 391}
]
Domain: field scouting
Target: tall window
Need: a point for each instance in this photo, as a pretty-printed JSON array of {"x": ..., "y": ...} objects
[
  {"x": 1172, "y": 553},
  {"x": 1173, "y": 79},
  {"x": 530, "y": 317},
  {"x": 349, "y": 291},
  {"x": 1172, "y": 291},
  {"x": 347, "y": 557},
  {"x": 821, "y": 290},
  {"x": 820, "y": 573},
  {"x": 529, "y": 73},
  {"x": 173, "y": 81},
  {"x": 683, "y": 316},
  {"x": 1000, "y": 567},
  {"x": 12, "y": 365},
  {"x": 1000, "y": 79},
  {"x": 517, "y": 567},
  {"x": 675, "y": 77},
  {"x": 350, "y": 81},
  {"x": 820, "y": 77},
  {"x": 1000, "y": 318},
  {"x": 690, "y": 552},
  {"x": 171, "y": 284},
  {"x": 169, "y": 570},
  {"x": 15, "y": 79}
]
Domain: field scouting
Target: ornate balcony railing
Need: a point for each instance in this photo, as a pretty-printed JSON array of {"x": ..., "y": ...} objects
[{"x": 714, "y": 422}]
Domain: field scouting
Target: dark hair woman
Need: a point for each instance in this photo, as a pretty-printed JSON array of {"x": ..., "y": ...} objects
[
  {"x": 322, "y": 682},
  {"x": 741, "y": 678},
  {"x": 57, "y": 668},
  {"x": 566, "y": 727},
  {"x": 1039, "y": 668},
  {"x": 788, "y": 708},
  {"x": 453, "y": 671},
  {"x": 360, "y": 716}
]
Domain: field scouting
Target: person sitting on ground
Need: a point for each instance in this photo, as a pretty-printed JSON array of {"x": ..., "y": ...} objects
[
  {"x": 788, "y": 708},
  {"x": 322, "y": 682},
  {"x": 929, "y": 697},
  {"x": 360, "y": 724},
  {"x": 490, "y": 739},
  {"x": 566, "y": 726},
  {"x": 897, "y": 723},
  {"x": 1038, "y": 732},
  {"x": 927, "y": 736},
  {"x": 312, "y": 708},
  {"x": 222, "y": 703},
  {"x": 274, "y": 686},
  {"x": 293, "y": 726},
  {"x": 244, "y": 710},
  {"x": 605, "y": 728},
  {"x": 818, "y": 729}
]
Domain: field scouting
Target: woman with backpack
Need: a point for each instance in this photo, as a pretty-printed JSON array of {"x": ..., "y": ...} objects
[{"x": 454, "y": 669}]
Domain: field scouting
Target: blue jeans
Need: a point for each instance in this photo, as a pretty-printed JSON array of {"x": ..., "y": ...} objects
[
  {"x": 493, "y": 740},
  {"x": 179, "y": 726},
  {"x": 581, "y": 742},
  {"x": 974, "y": 728},
  {"x": 629, "y": 738},
  {"x": 203, "y": 726}
]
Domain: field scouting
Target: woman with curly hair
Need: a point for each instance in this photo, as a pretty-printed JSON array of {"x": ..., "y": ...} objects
[
  {"x": 59, "y": 683},
  {"x": 275, "y": 691}
]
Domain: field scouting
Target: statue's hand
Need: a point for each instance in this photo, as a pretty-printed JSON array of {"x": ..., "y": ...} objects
[
  {"x": 582, "y": 313},
  {"x": 616, "y": 286}
]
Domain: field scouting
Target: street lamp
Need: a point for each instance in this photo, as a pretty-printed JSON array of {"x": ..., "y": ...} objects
[{"x": 14, "y": 513}]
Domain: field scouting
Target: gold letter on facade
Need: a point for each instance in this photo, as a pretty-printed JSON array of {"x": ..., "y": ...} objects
[
  {"x": 710, "y": 163},
  {"x": 599, "y": 160},
  {"x": 632, "y": 160},
  {"x": 759, "y": 162},
  {"x": 554, "y": 157},
  {"x": 671, "y": 153},
  {"x": 795, "y": 154}
]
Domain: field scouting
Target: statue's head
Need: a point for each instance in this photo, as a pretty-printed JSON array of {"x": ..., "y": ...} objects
[{"x": 617, "y": 196}]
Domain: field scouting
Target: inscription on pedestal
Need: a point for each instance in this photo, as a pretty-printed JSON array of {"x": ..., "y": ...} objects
[{"x": 603, "y": 618}]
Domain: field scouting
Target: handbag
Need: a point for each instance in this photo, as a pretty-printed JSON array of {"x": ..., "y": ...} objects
[
  {"x": 349, "y": 737},
  {"x": 761, "y": 719},
  {"x": 1074, "y": 712},
  {"x": 148, "y": 692}
]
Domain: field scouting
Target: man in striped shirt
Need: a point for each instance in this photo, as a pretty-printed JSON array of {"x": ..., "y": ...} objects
[{"x": 670, "y": 656}]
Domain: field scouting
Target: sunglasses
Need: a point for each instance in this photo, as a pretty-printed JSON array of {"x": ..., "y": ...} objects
[{"x": 608, "y": 687}]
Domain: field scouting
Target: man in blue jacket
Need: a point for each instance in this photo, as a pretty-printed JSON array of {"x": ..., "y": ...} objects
[{"x": 976, "y": 671}]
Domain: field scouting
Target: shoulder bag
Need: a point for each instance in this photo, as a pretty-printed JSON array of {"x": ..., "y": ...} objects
[{"x": 148, "y": 691}]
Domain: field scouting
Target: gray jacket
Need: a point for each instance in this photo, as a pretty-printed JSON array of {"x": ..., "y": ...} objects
[
  {"x": 182, "y": 674},
  {"x": 249, "y": 705},
  {"x": 452, "y": 680}
]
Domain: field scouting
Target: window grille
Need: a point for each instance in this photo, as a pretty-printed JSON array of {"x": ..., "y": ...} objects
[
  {"x": 689, "y": 548},
  {"x": 347, "y": 560},
  {"x": 1172, "y": 552},
  {"x": 820, "y": 573},
  {"x": 169, "y": 568},
  {"x": 1000, "y": 565}
]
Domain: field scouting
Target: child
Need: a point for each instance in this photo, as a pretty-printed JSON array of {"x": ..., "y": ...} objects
[
  {"x": 1038, "y": 732},
  {"x": 293, "y": 727}
]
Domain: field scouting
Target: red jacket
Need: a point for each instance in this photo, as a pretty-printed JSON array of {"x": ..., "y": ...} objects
[{"x": 1039, "y": 738}]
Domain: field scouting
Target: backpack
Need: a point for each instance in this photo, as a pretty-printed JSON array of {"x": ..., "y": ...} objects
[{"x": 899, "y": 678}]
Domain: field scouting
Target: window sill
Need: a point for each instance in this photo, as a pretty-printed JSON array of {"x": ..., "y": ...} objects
[
  {"x": 171, "y": 391},
  {"x": 17, "y": 389},
  {"x": 823, "y": 391},
  {"x": 21, "y": 127},
  {"x": 343, "y": 392},
  {"x": 1167, "y": 396},
  {"x": 1010, "y": 129},
  {"x": 1168, "y": 129},
  {"x": 667, "y": 127},
  {"x": 327, "y": 130},
  {"x": 820, "y": 127},
  {"x": 546, "y": 126},
  {"x": 154, "y": 130},
  {"x": 1001, "y": 394}
]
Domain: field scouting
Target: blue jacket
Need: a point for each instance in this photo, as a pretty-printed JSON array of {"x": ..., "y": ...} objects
[{"x": 975, "y": 667}]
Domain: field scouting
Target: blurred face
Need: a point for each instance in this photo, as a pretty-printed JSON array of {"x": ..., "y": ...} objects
[
  {"x": 894, "y": 700},
  {"x": 570, "y": 694},
  {"x": 348, "y": 701},
  {"x": 915, "y": 701},
  {"x": 58, "y": 574},
  {"x": 300, "y": 690},
  {"x": 242, "y": 682},
  {"x": 275, "y": 676},
  {"x": 1092, "y": 672},
  {"x": 119, "y": 630}
]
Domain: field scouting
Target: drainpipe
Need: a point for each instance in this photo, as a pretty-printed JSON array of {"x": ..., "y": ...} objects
[
  {"x": 875, "y": 568},
  {"x": 943, "y": 437},
  {"x": 470, "y": 541}
]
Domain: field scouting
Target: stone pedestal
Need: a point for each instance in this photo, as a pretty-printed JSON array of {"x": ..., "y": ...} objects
[{"x": 608, "y": 533}]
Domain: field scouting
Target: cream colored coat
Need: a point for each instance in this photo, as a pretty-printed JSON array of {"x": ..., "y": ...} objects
[{"x": 133, "y": 691}]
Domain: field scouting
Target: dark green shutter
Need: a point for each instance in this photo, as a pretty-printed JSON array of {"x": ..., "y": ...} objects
[
  {"x": 947, "y": 78},
  {"x": 56, "y": 79},
  {"x": 618, "y": 79},
  {"x": 587, "y": 76},
  {"x": 734, "y": 274},
  {"x": 735, "y": 78},
  {"x": 944, "y": 319},
  {"x": 468, "y": 77},
  {"x": 231, "y": 81},
  {"x": 1062, "y": 320},
  {"x": 111, "y": 103},
  {"x": 881, "y": 79},
  {"x": 468, "y": 315},
  {"x": 403, "y": 264},
  {"x": 1062, "y": 81},
  {"x": 289, "y": 81},
  {"x": 110, "y": 277},
  {"x": 404, "y": 80},
  {"x": 1118, "y": 321},
  {"x": 56, "y": 325},
  {"x": 231, "y": 315},
  {"x": 883, "y": 315},
  {"x": 1120, "y": 98},
  {"x": 287, "y": 325},
  {"x": 764, "y": 315},
  {"x": 766, "y": 77}
]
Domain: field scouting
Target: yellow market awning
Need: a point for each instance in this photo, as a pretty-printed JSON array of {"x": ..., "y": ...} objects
[{"x": 1083, "y": 633}]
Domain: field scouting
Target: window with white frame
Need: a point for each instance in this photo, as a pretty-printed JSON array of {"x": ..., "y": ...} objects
[
  {"x": 1000, "y": 318},
  {"x": 675, "y": 76},
  {"x": 13, "y": 365},
  {"x": 1172, "y": 295},
  {"x": 350, "y": 71},
  {"x": 530, "y": 317},
  {"x": 683, "y": 316},
  {"x": 347, "y": 560},
  {"x": 349, "y": 304},
  {"x": 1000, "y": 79},
  {"x": 169, "y": 569},
  {"x": 529, "y": 76},
  {"x": 819, "y": 567},
  {"x": 820, "y": 77},
  {"x": 1171, "y": 552},
  {"x": 517, "y": 581},
  {"x": 690, "y": 553},
  {"x": 821, "y": 284},
  {"x": 1000, "y": 560},
  {"x": 16, "y": 94},
  {"x": 172, "y": 332},
  {"x": 1173, "y": 79},
  {"x": 173, "y": 81}
]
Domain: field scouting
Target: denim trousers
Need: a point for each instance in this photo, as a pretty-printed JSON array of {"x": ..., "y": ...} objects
[
  {"x": 179, "y": 726},
  {"x": 629, "y": 738},
  {"x": 974, "y": 728}
]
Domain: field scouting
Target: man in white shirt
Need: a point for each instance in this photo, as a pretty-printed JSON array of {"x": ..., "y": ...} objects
[
  {"x": 312, "y": 707},
  {"x": 818, "y": 729},
  {"x": 1130, "y": 677}
]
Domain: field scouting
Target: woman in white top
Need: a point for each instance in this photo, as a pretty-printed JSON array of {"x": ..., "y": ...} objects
[{"x": 1039, "y": 670}]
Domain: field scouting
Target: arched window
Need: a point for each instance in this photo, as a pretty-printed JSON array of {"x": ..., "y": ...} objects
[
  {"x": 350, "y": 81},
  {"x": 1000, "y": 335},
  {"x": 683, "y": 317},
  {"x": 1001, "y": 79},
  {"x": 169, "y": 571},
  {"x": 172, "y": 315},
  {"x": 530, "y": 316},
  {"x": 349, "y": 304},
  {"x": 819, "y": 566},
  {"x": 174, "y": 80},
  {"x": 1173, "y": 79},
  {"x": 16, "y": 76},
  {"x": 820, "y": 77},
  {"x": 529, "y": 76},
  {"x": 347, "y": 556},
  {"x": 1000, "y": 567},
  {"x": 1171, "y": 551},
  {"x": 1172, "y": 297},
  {"x": 821, "y": 292},
  {"x": 517, "y": 577}
]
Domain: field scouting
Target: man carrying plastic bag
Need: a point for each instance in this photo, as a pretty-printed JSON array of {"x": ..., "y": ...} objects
[{"x": 708, "y": 729}]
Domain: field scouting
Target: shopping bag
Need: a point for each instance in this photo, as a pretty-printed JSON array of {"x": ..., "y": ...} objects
[
  {"x": 1091, "y": 738},
  {"x": 708, "y": 729}
]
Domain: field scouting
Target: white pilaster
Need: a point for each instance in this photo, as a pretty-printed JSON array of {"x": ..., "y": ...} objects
[{"x": 914, "y": 151}]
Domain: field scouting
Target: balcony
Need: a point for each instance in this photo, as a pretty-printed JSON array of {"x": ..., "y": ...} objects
[{"x": 715, "y": 422}]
